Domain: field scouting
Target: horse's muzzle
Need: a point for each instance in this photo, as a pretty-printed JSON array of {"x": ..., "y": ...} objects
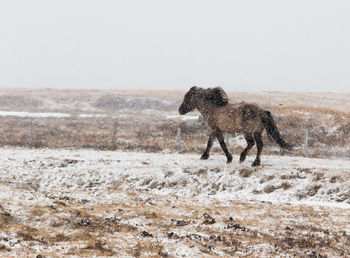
[{"x": 182, "y": 110}]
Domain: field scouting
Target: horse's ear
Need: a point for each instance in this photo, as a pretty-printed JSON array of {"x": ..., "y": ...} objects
[{"x": 217, "y": 96}]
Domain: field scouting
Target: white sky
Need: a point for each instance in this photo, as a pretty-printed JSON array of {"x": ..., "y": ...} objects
[{"x": 293, "y": 45}]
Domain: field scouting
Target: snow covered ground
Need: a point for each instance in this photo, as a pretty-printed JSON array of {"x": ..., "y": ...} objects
[
  {"x": 88, "y": 202},
  {"x": 46, "y": 114},
  {"x": 28, "y": 114},
  {"x": 279, "y": 179}
]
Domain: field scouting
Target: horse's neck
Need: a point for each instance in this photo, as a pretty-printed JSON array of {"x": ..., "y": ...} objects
[{"x": 205, "y": 109}]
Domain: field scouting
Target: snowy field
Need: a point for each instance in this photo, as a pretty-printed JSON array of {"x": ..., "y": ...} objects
[{"x": 88, "y": 202}]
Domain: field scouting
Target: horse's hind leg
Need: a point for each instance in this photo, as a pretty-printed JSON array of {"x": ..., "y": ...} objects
[
  {"x": 205, "y": 155},
  {"x": 220, "y": 137},
  {"x": 259, "y": 146},
  {"x": 250, "y": 141}
]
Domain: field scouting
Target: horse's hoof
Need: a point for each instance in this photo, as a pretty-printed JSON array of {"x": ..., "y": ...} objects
[
  {"x": 204, "y": 156},
  {"x": 256, "y": 163},
  {"x": 229, "y": 159}
]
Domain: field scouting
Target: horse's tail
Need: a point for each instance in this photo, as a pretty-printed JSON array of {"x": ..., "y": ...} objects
[{"x": 272, "y": 130}]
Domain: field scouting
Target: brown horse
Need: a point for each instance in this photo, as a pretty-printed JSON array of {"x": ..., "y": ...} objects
[{"x": 222, "y": 117}]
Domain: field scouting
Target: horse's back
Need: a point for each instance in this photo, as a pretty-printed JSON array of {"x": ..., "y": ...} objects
[
  {"x": 228, "y": 119},
  {"x": 234, "y": 118}
]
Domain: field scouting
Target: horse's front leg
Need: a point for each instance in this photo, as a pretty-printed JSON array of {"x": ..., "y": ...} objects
[
  {"x": 259, "y": 145},
  {"x": 220, "y": 137},
  {"x": 205, "y": 155}
]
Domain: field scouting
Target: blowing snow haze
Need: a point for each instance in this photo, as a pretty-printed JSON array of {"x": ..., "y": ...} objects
[{"x": 239, "y": 45}]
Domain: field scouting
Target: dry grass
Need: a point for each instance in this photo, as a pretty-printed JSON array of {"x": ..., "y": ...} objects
[
  {"x": 240, "y": 229},
  {"x": 6, "y": 218},
  {"x": 149, "y": 130}
]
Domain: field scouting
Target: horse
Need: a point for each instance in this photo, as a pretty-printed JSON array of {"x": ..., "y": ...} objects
[{"x": 223, "y": 117}]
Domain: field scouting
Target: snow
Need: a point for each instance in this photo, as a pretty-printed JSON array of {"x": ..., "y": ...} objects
[
  {"x": 279, "y": 179},
  {"x": 92, "y": 115},
  {"x": 69, "y": 185},
  {"x": 28, "y": 114},
  {"x": 333, "y": 129},
  {"x": 183, "y": 117},
  {"x": 301, "y": 112},
  {"x": 47, "y": 114}
]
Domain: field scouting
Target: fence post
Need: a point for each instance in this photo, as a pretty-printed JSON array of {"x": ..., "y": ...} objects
[
  {"x": 306, "y": 142},
  {"x": 115, "y": 136},
  {"x": 31, "y": 134},
  {"x": 178, "y": 136}
]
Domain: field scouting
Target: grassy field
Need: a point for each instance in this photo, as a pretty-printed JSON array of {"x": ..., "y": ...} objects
[{"x": 143, "y": 124}]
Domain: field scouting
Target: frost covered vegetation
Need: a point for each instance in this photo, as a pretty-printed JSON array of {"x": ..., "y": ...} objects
[
  {"x": 61, "y": 198},
  {"x": 87, "y": 202}
]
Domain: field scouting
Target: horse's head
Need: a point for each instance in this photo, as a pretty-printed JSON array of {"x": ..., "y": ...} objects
[
  {"x": 203, "y": 99},
  {"x": 189, "y": 102}
]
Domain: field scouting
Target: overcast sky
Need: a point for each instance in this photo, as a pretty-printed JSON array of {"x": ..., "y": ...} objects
[{"x": 161, "y": 44}]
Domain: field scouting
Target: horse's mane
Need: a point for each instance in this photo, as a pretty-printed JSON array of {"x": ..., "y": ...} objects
[{"x": 216, "y": 96}]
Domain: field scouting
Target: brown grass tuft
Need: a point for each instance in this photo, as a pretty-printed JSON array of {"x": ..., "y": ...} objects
[{"x": 246, "y": 172}]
